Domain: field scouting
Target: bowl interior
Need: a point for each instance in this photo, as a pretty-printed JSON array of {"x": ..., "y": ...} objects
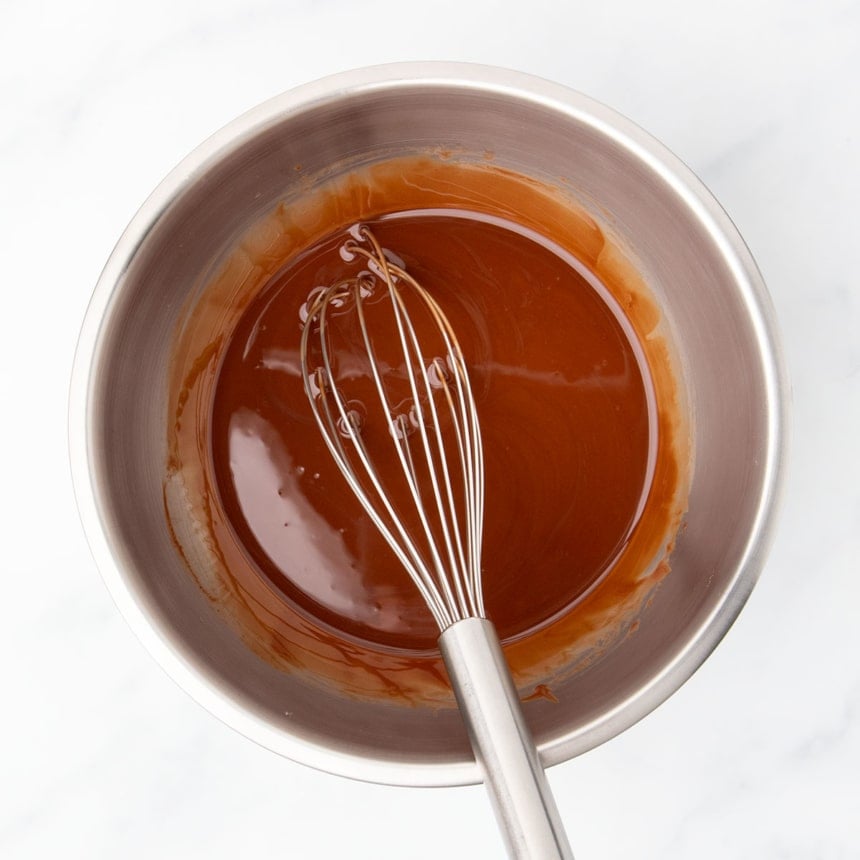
[{"x": 694, "y": 263}]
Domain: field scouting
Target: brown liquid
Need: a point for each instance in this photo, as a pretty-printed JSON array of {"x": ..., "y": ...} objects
[
  {"x": 567, "y": 417},
  {"x": 296, "y": 640}
]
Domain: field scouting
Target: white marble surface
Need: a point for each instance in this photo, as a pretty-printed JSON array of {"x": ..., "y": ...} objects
[{"x": 102, "y": 756}]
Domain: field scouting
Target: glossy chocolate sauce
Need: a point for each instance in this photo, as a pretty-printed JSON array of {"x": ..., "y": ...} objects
[{"x": 567, "y": 417}]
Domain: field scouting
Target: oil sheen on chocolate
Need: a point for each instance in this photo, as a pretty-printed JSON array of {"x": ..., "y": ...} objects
[{"x": 567, "y": 418}]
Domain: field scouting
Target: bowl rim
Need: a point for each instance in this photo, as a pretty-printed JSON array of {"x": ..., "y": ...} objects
[{"x": 560, "y": 99}]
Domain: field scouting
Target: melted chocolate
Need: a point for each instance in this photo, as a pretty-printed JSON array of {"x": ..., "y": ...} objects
[{"x": 567, "y": 417}]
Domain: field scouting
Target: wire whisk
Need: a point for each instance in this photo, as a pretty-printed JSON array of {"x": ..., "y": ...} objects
[{"x": 388, "y": 385}]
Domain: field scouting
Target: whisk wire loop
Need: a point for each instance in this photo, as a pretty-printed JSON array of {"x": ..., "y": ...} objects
[{"x": 446, "y": 566}]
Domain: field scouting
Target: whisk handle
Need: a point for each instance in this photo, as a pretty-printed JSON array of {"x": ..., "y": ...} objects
[{"x": 503, "y": 745}]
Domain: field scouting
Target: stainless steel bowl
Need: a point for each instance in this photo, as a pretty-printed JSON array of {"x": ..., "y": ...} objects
[{"x": 700, "y": 271}]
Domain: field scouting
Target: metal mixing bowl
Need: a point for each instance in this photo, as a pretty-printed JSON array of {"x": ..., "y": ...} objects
[{"x": 702, "y": 274}]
